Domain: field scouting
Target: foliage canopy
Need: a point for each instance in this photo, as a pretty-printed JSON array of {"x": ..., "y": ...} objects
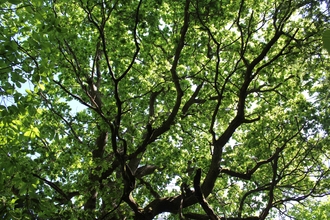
[
  {"x": 133, "y": 108},
  {"x": 311, "y": 209}
]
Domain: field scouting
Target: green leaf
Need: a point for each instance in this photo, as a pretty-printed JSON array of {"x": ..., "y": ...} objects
[
  {"x": 29, "y": 134},
  {"x": 15, "y": 2},
  {"x": 326, "y": 40},
  {"x": 41, "y": 86},
  {"x": 29, "y": 91}
]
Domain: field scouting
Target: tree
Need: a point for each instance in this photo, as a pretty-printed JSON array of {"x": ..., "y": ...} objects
[
  {"x": 310, "y": 209},
  {"x": 130, "y": 109}
]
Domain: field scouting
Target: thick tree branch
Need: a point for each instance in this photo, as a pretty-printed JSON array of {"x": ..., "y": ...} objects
[
  {"x": 200, "y": 197},
  {"x": 191, "y": 100}
]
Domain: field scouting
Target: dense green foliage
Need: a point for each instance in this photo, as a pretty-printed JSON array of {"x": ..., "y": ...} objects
[
  {"x": 108, "y": 108},
  {"x": 311, "y": 209}
]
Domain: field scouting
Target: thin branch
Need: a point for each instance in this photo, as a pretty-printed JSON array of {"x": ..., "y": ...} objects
[
  {"x": 269, "y": 205},
  {"x": 76, "y": 97},
  {"x": 61, "y": 117},
  {"x": 135, "y": 41}
]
